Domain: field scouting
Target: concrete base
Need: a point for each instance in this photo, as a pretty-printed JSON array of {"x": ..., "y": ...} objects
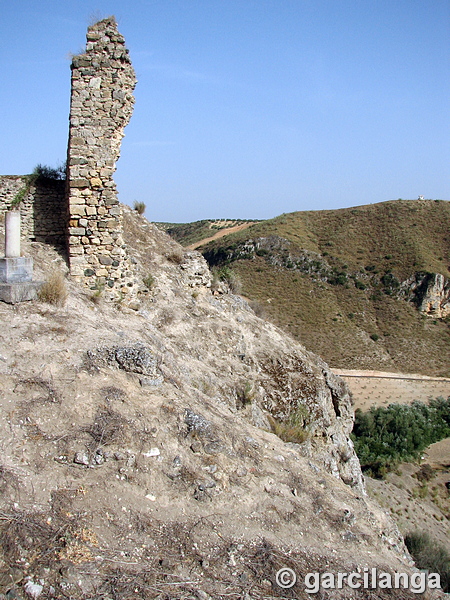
[
  {"x": 16, "y": 270},
  {"x": 13, "y": 293}
]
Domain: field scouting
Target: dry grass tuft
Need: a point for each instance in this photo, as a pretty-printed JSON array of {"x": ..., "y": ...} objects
[
  {"x": 176, "y": 257},
  {"x": 139, "y": 207},
  {"x": 54, "y": 290},
  {"x": 288, "y": 433}
]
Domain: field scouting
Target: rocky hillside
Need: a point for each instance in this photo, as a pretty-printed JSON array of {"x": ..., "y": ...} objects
[
  {"x": 353, "y": 285},
  {"x": 138, "y": 453}
]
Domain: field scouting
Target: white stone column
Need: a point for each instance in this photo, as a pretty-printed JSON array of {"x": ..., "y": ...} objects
[{"x": 12, "y": 234}]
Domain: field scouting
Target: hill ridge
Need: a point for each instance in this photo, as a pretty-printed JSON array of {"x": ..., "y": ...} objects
[{"x": 347, "y": 283}]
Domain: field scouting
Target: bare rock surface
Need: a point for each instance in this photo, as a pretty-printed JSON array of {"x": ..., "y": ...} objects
[{"x": 111, "y": 488}]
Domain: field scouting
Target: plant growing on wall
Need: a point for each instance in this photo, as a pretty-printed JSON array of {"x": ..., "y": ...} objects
[
  {"x": 24, "y": 191},
  {"x": 40, "y": 173}
]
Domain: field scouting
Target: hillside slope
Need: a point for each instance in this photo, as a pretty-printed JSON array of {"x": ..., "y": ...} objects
[
  {"x": 347, "y": 283},
  {"x": 137, "y": 458}
]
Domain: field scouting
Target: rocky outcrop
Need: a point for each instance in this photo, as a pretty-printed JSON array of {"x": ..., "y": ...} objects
[
  {"x": 430, "y": 292},
  {"x": 139, "y": 447},
  {"x": 436, "y": 296},
  {"x": 195, "y": 270},
  {"x": 299, "y": 386}
]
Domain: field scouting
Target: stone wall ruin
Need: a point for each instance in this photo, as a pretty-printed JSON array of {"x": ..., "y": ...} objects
[
  {"x": 43, "y": 214},
  {"x": 84, "y": 213},
  {"x": 103, "y": 81}
]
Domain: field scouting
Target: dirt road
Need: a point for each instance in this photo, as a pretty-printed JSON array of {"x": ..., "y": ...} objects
[{"x": 220, "y": 234}]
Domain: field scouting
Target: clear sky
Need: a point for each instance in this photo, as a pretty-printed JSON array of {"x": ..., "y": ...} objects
[{"x": 245, "y": 108}]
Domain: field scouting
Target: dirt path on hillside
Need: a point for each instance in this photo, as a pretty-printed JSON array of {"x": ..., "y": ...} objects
[
  {"x": 378, "y": 388},
  {"x": 220, "y": 234}
]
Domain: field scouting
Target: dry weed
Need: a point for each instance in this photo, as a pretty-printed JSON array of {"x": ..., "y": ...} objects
[
  {"x": 288, "y": 432},
  {"x": 109, "y": 427},
  {"x": 32, "y": 534},
  {"x": 8, "y": 480},
  {"x": 44, "y": 389},
  {"x": 54, "y": 290},
  {"x": 176, "y": 257},
  {"x": 139, "y": 207}
]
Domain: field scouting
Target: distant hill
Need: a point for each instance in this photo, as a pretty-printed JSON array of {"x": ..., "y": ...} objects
[{"x": 346, "y": 282}]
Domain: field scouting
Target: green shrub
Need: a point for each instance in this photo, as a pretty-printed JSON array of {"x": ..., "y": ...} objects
[
  {"x": 338, "y": 279},
  {"x": 385, "y": 436},
  {"x": 40, "y": 173},
  {"x": 390, "y": 283},
  {"x": 423, "y": 491},
  {"x": 375, "y": 337},
  {"x": 22, "y": 193},
  {"x": 44, "y": 172}
]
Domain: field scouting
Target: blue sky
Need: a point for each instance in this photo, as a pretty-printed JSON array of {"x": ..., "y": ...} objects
[{"x": 245, "y": 108}]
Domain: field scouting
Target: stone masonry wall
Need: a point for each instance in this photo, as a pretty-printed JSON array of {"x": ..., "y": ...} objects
[
  {"x": 102, "y": 101},
  {"x": 43, "y": 212}
]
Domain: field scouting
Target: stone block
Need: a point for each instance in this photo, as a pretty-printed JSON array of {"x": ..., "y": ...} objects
[
  {"x": 77, "y": 260},
  {"x": 79, "y": 183},
  {"x": 16, "y": 270},
  {"x": 79, "y": 62},
  {"x": 95, "y": 83},
  {"x": 77, "y": 209},
  {"x": 105, "y": 260},
  {"x": 13, "y": 293},
  {"x": 76, "y": 250},
  {"x": 77, "y": 230}
]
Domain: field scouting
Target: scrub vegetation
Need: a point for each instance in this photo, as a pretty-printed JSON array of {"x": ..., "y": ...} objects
[{"x": 386, "y": 436}]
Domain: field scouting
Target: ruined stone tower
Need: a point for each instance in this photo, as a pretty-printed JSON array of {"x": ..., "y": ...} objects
[{"x": 103, "y": 81}]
